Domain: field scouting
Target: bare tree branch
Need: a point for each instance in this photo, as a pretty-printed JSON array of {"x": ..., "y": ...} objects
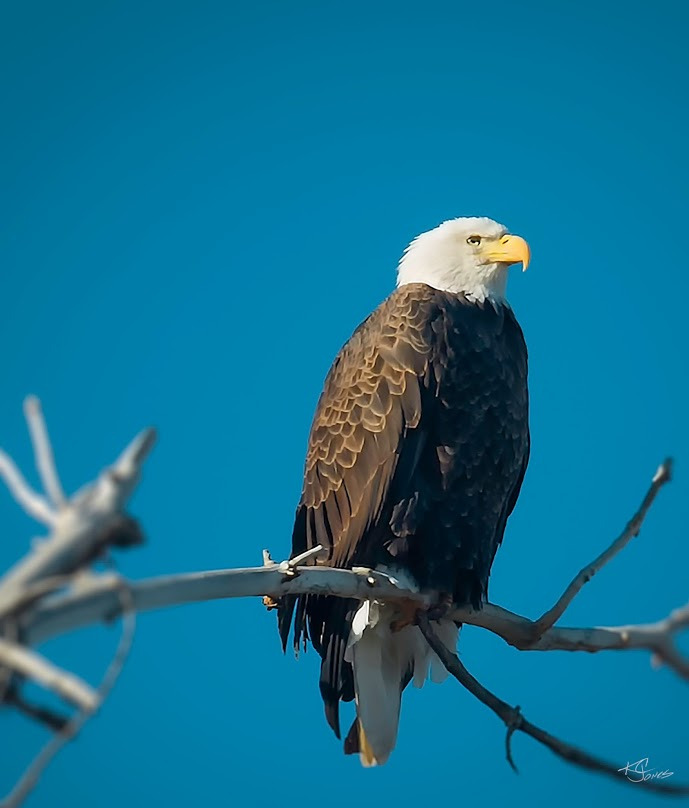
[
  {"x": 95, "y": 600},
  {"x": 663, "y": 475},
  {"x": 31, "y": 665},
  {"x": 43, "y": 715},
  {"x": 43, "y": 451},
  {"x": 32, "y": 503},
  {"x": 81, "y": 528},
  {"x": 515, "y": 721},
  {"x": 29, "y": 780}
]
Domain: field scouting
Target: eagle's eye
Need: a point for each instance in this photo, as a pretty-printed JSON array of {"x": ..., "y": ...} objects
[{"x": 474, "y": 240}]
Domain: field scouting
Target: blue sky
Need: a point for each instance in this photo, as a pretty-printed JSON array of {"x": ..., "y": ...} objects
[{"x": 198, "y": 204}]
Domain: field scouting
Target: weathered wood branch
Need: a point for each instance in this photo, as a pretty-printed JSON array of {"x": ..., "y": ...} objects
[
  {"x": 82, "y": 528},
  {"x": 30, "y": 665},
  {"x": 516, "y": 722},
  {"x": 91, "y": 521},
  {"x": 33, "y": 504},
  {"x": 95, "y": 600},
  {"x": 545, "y": 621},
  {"x": 43, "y": 452},
  {"x": 69, "y": 729}
]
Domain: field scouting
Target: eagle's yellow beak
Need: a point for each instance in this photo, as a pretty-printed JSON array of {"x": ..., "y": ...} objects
[{"x": 508, "y": 250}]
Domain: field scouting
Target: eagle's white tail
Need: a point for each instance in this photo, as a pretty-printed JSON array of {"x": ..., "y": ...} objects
[{"x": 382, "y": 660}]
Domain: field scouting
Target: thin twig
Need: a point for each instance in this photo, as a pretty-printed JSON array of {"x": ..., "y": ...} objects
[
  {"x": 51, "y": 719},
  {"x": 43, "y": 451},
  {"x": 515, "y": 721},
  {"x": 128, "y": 464},
  {"x": 33, "y": 666},
  {"x": 31, "y": 776},
  {"x": 307, "y": 555},
  {"x": 32, "y": 503},
  {"x": 549, "y": 618},
  {"x": 267, "y": 559}
]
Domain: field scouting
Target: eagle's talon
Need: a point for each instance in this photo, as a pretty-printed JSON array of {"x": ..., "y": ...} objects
[
  {"x": 406, "y": 615},
  {"x": 270, "y": 603},
  {"x": 441, "y": 608}
]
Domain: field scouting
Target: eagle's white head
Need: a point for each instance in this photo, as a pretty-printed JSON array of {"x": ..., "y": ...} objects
[{"x": 470, "y": 255}]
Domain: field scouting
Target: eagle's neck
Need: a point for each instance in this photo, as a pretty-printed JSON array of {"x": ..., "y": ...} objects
[{"x": 446, "y": 273}]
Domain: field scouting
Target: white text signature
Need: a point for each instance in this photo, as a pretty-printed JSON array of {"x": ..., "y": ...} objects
[{"x": 640, "y": 771}]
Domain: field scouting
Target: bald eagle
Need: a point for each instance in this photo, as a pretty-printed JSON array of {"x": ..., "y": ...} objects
[{"x": 414, "y": 463}]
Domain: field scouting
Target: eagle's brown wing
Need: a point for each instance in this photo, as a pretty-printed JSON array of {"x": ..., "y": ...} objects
[{"x": 371, "y": 397}]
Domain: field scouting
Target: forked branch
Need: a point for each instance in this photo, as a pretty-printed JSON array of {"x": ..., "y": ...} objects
[
  {"x": 81, "y": 530},
  {"x": 516, "y": 722},
  {"x": 548, "y": 619}
]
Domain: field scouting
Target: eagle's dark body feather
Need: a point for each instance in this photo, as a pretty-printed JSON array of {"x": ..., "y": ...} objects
[{"x": 416, "y": 456}]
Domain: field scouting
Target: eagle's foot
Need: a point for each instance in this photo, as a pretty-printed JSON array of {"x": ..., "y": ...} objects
[
  {"x": 270, "y": 603},
  {"x": 441, "y": 608},
  {"x": 405, "y": 615}
]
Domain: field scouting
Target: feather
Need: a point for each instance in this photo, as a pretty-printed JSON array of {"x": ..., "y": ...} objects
[{"x": 383, "y": 662}]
